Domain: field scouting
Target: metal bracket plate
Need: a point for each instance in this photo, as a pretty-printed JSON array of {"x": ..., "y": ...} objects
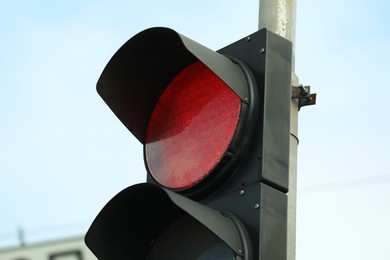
[{"x": 302, "y": 93}]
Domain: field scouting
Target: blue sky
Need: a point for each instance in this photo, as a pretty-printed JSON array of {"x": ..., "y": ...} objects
[{"x": 63, "y": 153}]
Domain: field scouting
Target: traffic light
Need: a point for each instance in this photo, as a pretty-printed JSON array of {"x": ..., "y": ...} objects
[{"x": 215, "y": 127}]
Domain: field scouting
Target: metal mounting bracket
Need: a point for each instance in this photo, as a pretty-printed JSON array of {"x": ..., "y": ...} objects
[{"x": 302, "y": 93}]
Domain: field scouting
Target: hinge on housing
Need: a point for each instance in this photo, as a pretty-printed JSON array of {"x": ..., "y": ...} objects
[{"x": 302, "y": 93}]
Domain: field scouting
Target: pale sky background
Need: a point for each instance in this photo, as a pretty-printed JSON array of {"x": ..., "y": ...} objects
[{"x": 64, "y": 154}]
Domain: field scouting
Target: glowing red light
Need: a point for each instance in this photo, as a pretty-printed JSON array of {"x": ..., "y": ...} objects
[{"x": 191, "y": 127}]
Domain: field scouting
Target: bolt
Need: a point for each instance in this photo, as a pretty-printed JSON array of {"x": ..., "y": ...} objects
[
  {"x": 246, "y": 99},
  {"x": 248, "y": 39},
  {"x": 242, "y": 192},
  {"x": 257, "y": 205},
  {"x": 259, "y": 156},
  {"x": 262, "y": 50}
]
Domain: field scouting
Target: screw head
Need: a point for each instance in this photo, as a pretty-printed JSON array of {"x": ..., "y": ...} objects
[
  {"x": 262, "y": 50},
  {"x": 257, "y": 205}
]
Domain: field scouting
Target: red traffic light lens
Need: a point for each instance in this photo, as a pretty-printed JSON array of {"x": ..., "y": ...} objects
[{"x": 191, "y": 127}]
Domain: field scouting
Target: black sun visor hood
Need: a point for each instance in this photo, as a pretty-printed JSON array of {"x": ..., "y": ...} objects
[{"x": 136, "y": 75}]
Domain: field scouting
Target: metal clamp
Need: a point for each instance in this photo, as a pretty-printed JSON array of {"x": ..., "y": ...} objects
[{"x": 302, "y": 93}]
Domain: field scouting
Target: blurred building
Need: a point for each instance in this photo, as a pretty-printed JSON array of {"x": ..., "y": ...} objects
[{"x": 66, "y": 249}]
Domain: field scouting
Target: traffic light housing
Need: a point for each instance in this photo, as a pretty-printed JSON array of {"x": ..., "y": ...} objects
[{"x": 215, "y": 128}]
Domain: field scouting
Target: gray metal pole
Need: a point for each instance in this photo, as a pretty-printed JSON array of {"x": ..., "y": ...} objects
[{"x": 279, "y": 16}]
